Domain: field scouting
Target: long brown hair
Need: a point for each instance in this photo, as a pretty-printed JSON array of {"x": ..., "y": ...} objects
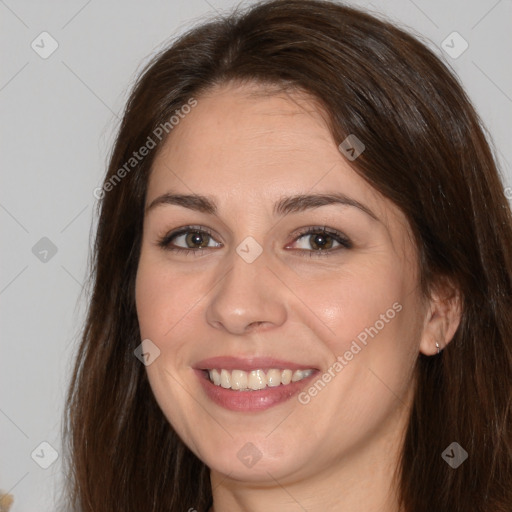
[{"x": 426, "y": 150}]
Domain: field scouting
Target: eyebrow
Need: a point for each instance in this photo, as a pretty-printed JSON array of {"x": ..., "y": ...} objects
[{"x": 282, "y": 207}]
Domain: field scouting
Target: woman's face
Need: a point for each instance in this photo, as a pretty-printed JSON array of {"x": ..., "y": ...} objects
[{"x": 296, "y": 264}]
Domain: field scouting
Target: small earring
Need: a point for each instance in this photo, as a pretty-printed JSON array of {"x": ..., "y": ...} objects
[{"x": 437, "y": 345}]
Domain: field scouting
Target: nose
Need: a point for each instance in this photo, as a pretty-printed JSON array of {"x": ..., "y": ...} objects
[{"x": 248, "y": 297}]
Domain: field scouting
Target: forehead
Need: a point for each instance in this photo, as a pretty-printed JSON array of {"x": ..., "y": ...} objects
[{"x": 257, "y": 142}]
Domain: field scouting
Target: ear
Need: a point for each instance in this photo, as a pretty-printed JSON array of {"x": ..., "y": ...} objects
[{"x": 442, "y": 318}]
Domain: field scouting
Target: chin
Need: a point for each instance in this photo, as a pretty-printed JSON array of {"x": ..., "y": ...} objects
[{"x": 259, "y": 460}]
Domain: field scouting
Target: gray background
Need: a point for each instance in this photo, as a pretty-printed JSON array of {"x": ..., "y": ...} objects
[{"x": 58, "y": 120}]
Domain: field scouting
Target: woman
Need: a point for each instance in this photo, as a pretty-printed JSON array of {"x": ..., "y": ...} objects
[{"x": 302, "y": 281}]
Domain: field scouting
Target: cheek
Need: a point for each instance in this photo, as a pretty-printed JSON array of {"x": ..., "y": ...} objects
[
  {"x": 366, "y": 319},
  {"x": 161, "y": 298},
  {"x": 162, "y": 306},
  {"x": 348, "y": 303},
  {"x": 170, "y": 314},
  {"x": 370, "y": 340}
]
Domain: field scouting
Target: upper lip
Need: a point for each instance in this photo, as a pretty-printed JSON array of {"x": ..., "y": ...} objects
[{"x": 249, "y": 363}]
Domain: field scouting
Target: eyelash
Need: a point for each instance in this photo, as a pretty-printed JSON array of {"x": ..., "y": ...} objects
[{"x": 165, "y": 241}]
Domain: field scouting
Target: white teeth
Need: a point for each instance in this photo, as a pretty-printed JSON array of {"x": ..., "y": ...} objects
[
  {"x": 273, "y": 378},
  {"x": 225, "y": 379},
  {"x": 256, "y": 379},
  {"x": 286, "y": 377},
  {"x": 238, "y": 379},
  {"x": 298, "y": 375},
  {"x": 215, "y": 377}
]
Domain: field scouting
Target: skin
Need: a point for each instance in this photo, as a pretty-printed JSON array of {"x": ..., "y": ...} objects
[{"x": 246, "y": 149}]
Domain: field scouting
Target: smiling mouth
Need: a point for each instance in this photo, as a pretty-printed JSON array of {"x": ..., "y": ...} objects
[{"x": 255, "y": 380}]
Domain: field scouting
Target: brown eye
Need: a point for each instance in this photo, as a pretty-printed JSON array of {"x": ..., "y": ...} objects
[
  {"x": 188, "y": 239},
  {"x": 318, "y": 240},
  {"x": 196, "y": 238},
  {"x": 321, "y": 241}
]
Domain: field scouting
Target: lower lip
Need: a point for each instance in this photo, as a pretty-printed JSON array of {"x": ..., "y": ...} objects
[{"x": 248, "y": 401}]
